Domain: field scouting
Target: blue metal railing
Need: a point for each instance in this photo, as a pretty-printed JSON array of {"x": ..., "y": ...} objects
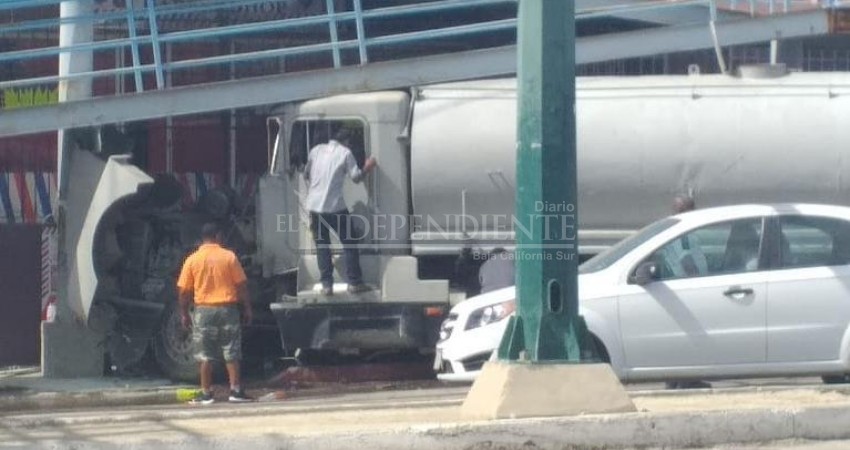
[
  {"x": 153, "y": 38},
  {"x": 754, "y": 7},
  {"x": 144, "y": 31}
]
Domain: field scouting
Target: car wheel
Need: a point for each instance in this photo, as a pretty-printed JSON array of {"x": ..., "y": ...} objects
[
  {"x": 173, "y": 347},
  {"x": 836, "y": 379},
  {"x": 599, "y": 349}
]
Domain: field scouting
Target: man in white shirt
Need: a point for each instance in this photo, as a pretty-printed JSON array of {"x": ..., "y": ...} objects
[{"x": 327, "y": 166}]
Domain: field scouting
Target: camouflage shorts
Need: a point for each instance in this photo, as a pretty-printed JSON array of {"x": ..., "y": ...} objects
[{"x": 217, "y": 332}]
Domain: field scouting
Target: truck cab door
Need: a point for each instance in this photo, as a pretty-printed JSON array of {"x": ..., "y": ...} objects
[
  {"x": 278, "y": 208},
  {"x": 96, "y": 185}
]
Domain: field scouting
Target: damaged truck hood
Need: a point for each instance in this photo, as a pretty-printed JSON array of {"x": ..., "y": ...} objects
[{"x": 95, "y": 185}]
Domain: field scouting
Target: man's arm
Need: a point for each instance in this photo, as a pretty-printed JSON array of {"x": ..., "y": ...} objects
[
  {"x": 354, "y": 171},
  {"x": 311, "y": 157},
  {"x": 309, "y": 165},
  {"x": 185, "y": 301},
  {"x": 185, "y": 289}
]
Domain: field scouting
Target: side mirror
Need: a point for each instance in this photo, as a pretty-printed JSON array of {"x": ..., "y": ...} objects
[{"x": 645, "y": 273}]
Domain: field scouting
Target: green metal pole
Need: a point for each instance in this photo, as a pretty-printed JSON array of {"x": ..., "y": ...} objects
[{"x": 547, "y": 326}]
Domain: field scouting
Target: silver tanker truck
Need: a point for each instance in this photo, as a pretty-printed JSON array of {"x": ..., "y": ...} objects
[{"x": 444, "y": 193}]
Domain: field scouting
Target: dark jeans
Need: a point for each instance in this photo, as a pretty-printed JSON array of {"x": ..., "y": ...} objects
[{"x": 340, "y": 222}]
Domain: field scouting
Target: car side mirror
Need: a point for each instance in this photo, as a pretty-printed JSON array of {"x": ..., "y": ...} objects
[{"x": 645, "y": 273}]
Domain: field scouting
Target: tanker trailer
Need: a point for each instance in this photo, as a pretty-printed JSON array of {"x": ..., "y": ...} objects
[{"x": 446, "y": 158}]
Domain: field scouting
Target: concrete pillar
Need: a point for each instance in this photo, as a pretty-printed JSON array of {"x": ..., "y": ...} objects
[{"x": 69, "y": 347}]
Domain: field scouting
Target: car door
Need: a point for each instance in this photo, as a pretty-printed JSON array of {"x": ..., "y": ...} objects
[
  {"x": 278, "y": 207},
  {"x": 809, "y": 291},
  {"x": 707, "y": 305}
]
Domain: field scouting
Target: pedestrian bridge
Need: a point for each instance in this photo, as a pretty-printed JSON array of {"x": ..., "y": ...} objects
[{"x": 258, "y": 52}]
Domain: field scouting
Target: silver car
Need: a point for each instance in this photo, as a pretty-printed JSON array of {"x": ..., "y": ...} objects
[{"x": 738, "y": 291}]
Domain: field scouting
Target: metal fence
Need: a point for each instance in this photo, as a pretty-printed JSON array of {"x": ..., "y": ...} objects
[
  {"x": 756, "y": 7},
  {"x": 348, "y": 35},
  {"x": 341, "y": 32}
]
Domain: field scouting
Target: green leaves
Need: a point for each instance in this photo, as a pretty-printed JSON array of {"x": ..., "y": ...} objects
[{"x": 24, "y": 98}]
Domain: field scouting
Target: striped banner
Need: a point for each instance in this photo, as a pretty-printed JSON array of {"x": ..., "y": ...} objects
[
  {"x": 196, "y": 184},
  {"x": 246, "y": 185},
  {"x": 49, "y": 264},
  {"x": 27, "y": 197}
]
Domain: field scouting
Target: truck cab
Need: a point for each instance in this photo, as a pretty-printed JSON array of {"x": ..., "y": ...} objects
[{"x": 402, "y": 311}]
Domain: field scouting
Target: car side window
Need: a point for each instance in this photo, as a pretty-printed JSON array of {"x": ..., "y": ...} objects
[
  {"x": 813, "y": 241},
  {"x": 716, "y": 249}
]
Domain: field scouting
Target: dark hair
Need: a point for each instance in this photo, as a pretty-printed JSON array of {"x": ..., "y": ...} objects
[
  {"x": 210, "y": 232},
  {"x": 342, "y": 135}
]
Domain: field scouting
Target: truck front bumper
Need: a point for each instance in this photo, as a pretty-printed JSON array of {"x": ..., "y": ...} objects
[{"x": 365, "y": 326}]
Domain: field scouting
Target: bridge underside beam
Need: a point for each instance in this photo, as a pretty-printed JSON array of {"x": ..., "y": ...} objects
[
  {"x": 671, "y": 39},
  {"x": 394, "y": 74}
]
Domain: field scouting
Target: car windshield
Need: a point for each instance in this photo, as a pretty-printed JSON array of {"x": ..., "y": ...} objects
[{"x": 610, "y": 256}]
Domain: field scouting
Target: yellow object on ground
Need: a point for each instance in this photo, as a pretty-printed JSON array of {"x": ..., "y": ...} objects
[{"x": 185, "y": 395}]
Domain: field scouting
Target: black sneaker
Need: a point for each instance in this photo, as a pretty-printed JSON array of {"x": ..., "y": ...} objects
[
  {"x": 203, "y": 399},
  {"x": 239, "y": 397}
]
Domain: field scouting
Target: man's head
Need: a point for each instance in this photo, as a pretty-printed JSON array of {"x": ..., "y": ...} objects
[
  {"x": 683, "y": 203},
  {"x": 342, "y": 135},
  {"x": 211, "y": 233}
]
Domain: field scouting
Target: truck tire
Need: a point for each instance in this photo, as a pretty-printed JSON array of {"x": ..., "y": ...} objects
[{"x": 172, "y": 347}]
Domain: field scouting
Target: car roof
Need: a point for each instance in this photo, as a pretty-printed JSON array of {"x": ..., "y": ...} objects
[{"x": 760, "y": 209}]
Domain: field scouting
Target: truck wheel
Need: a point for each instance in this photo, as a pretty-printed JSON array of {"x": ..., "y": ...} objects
[{"x": 173, "y": 347}]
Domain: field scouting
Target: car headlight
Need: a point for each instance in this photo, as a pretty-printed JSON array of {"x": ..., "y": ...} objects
[{"x": 490, "y": 314}]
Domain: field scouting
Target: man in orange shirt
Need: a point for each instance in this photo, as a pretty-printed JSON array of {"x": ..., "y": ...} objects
[{"x": 213, "y": 277}]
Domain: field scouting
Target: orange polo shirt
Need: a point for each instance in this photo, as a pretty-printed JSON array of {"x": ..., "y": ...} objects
[{"x": 212, "y": 273}]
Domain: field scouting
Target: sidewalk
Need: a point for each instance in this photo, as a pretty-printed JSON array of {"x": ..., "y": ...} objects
[{"x": 26, "y": 389}]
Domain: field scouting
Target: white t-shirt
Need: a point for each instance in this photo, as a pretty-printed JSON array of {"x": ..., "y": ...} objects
[{"x": 326, "y": 169}]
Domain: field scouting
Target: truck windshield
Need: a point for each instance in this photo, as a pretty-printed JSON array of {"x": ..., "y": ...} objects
[{"x": 613, "y": 254}]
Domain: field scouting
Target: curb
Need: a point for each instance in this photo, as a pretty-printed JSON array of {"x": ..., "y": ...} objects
[
  {"x": 621, "y": 431},
  {"x": 693, "y": 429},
  {"x": 610, "y": 431},
  {"x": 28, "y": 401},
  {"x": 91, "y": 399},
  {"x": 206, "y": 412},
  {"x": 838, "y": 388}
]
